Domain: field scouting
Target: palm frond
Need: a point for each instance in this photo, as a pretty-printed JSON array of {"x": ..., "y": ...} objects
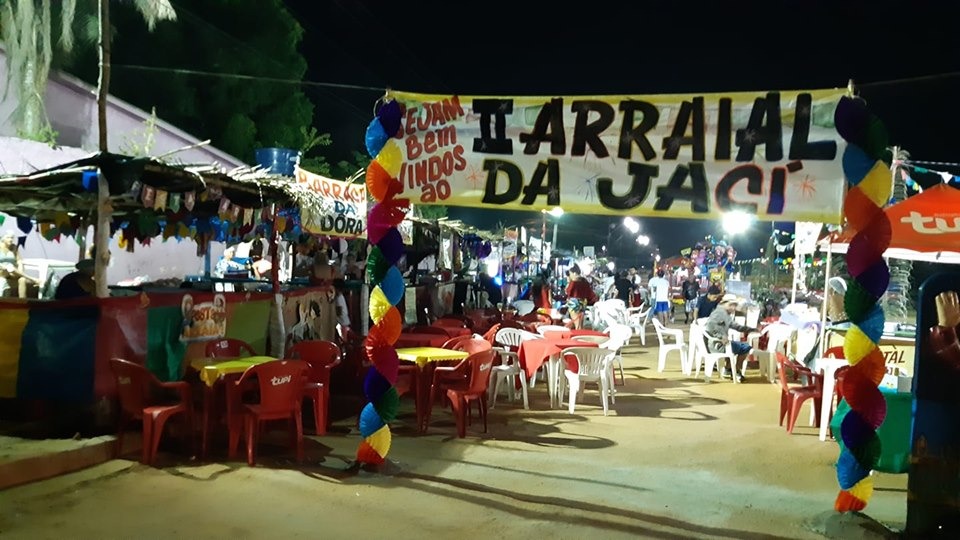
[{"x": 154, "y": 11}]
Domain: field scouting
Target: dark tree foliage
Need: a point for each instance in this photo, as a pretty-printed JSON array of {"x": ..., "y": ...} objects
[{"x": 258, "y": 38}]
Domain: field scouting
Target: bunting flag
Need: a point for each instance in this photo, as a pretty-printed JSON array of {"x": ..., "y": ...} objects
[
  {"x": 386, "y": 283},
  {"x": 870, "y": 186}
]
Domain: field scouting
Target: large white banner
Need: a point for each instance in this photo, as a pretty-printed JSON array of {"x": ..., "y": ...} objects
[
  {"x": 343, "y": 211},
  {"x": 774, "y": 154}
]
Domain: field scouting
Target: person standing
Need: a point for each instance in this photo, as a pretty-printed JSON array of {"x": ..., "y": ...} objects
[
  {"x": 323, "y": 277},
  {"x": 707, "y": 303},
  {"x": 691, "y": 293},
  {"x": 579, "y": 295},
  {"x": 624, "y": 288},
  {"x": 660, "y": 290}
]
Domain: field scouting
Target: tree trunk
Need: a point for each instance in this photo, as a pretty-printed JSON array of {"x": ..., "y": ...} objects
[
  {"x": 102, "y": 241},
  {"x": 31, "y": 103}
]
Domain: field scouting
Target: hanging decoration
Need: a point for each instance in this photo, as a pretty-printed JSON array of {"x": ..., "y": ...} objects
[
  {"x": 387, "y": 285},
  {"x": 475, "y": 246},
  {"x": 710, "y": 256},
  {"x": 868, "y": 177}
]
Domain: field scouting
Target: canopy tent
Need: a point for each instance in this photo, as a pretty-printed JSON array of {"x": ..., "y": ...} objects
[{"x": 925, "y": 227}]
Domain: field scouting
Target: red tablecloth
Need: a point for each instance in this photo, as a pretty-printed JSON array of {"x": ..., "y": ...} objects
[
  {"x": 567, "y": 334},
  {"x": 420, "y": 340},
  {"x": 534, "y": 352}
]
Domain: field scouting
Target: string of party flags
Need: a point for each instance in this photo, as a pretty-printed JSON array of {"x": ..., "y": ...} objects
[
  {"x": 916, "y": 166},
  {"x": 386, "y": 281},
  {"x": 868, "y": 176}
]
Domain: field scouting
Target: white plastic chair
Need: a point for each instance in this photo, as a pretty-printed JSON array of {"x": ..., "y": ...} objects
[
  {"x": 779, "y": 337},
  {"x": 523, "y": 307},
  {"x": 509, "y": 340},
  {"x": 664, "y": 333},
  {"x": 638, "y": 321},
  {"x": 707, "y": 355},
  {"x": 542, "y": 330},
  {"x": 508, "y": 369},
  {"x": 594, "y": 366},
  {"x": 609, "y": 313},
  {"x": 619, "y": 338}
]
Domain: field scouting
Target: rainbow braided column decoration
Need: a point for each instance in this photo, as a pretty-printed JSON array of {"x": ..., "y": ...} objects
[
  {"x": 868, "y": 177},
  {"x": 386, "y": 283}
]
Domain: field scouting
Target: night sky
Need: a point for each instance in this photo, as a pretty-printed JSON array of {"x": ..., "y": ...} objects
[{"x": 601, "y": 47}]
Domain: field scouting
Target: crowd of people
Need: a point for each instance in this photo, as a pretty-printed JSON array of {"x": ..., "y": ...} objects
[{"x": 712, "y": 305}]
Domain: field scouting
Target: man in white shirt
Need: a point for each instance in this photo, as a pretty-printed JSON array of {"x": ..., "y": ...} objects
[{"x": 660, "y": 290}]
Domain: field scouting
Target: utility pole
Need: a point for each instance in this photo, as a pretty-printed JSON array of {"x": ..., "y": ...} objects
[{"x": 102, "y": 236}]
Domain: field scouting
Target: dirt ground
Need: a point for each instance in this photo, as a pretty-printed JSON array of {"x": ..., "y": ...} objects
[{"x": 676, "y": 458}]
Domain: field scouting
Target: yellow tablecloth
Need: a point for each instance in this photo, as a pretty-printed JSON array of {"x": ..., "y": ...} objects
[
  {"x": 211, "y": 369},
  {"x": 424, "y": 355}
]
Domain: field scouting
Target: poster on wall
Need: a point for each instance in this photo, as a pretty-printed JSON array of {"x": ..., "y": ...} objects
[
  {"x": 343, "y": 206},
  {"x": 310, "y": 316},
  {"x": 206, "y": 321},
  {"x": 775, "y": 155}
]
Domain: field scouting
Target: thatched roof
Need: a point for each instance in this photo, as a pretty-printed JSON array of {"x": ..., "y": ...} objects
[{"x": 45, "y": 193}]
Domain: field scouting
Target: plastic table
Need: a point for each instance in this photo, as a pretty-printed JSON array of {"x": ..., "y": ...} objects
[
  {"x": 212, "y": 371},
  {"x": 894, "y": 433},
  {"x": 425, "y": 359}
]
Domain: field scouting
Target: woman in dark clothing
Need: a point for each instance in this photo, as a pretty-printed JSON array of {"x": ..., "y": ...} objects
[{"x": 579, "y": 295}]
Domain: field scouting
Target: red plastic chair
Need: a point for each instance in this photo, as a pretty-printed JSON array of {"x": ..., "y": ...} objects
[
  {"x": 228, "y": 348},
  {"x": 834, "y": 352},
  {"x": 464, "y": 383},
  {"x": 138, "y": 401},
  {"x": 454, "y": 343},
  {"x": 322, "y": 356},
  {"x": 281, "y": 390},
  {"x": 793, "y": 397}
]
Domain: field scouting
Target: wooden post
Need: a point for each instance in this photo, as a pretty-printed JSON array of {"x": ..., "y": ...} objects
[
  {"x": 274, "y": 255},
  {"x": 102, "y": 231}
]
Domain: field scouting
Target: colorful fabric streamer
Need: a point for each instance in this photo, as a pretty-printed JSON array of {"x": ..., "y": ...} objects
[
  {"x": 386, "y": 282},
  {"x": 869, "y": 189}
]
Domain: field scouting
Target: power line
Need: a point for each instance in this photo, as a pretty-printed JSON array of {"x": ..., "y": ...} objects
[
  {"x": 240, "y": 76},
  {"x": 920, "y": 78}
]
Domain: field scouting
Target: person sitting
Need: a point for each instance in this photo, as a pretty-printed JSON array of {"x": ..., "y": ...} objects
[
  {"x": 227, "y": 264},
  {"x": 718, "y": 327},
  {"x": 77, "y": 284},
  {"x": 11, "y": 268}
]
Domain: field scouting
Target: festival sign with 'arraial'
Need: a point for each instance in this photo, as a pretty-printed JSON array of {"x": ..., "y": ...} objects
[
  {"x": 343, "y": 207},
  {"x": 776, "y": 154}
]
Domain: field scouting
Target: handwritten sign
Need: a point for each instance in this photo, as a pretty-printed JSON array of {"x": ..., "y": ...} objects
[
  {"x": 776, "y": 155},
  {"x": 343, "y": 210}
]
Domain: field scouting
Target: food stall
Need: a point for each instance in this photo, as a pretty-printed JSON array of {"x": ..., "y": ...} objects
[{"x": 58, "y": 350}]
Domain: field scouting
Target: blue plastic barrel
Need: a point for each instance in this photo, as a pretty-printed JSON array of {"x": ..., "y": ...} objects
[{"x": 281, "y": 161}]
